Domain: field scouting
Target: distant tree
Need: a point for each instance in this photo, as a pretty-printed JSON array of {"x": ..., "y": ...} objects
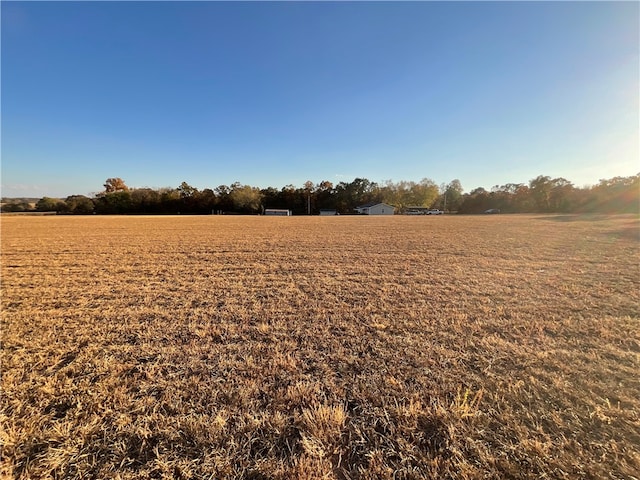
[
  {"x": 615, "y": 195},
  {"x": 324, "y": 195},
  {"x": 452, "y": 196},
  {"x": 293, "y": 199},
  {"x": 542, "y": 194},
  {"x": 16, "y": 206},
  {"x": 189, "y": 198},
  {"x": 389, "y": 193},
  {"x": 271, "y": 198},
  {"x": 117, "y": 202},
  {"x": 521, "y": 198},
  {"x": 477, "y": 201},
  {"x": 47, "y": 204},
  {"x": 245, "y": 198},
  {"x": 358, "y": 192},
  {"x": 540, "y": 188},
  {"x": 324, "y": 186},
  {"x": 222, "y": 190},
  {"x": 114, "y": 185},
  {"x": 225, "y": 202},
  {"x": 502, "y": 197},
  {"x": 169, "y": 200},
  {"x": 186, "y": 190},
  {"x": 207, "y": 202},
  {"x": 79, "y": 205},
  {"x": 145, "y": 200},
  {"x": 561, "y": 196},
  {"x": 405, "y": 194},
  {"x": 551, "y": 195},
  {"x": 425, "y": 192}
]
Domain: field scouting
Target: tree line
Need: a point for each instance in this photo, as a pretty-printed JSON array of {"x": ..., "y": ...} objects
[{"x": 543, "y": 194}]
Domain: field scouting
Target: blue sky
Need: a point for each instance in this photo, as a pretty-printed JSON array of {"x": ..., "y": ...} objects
[{"x": 270, "y": 94}]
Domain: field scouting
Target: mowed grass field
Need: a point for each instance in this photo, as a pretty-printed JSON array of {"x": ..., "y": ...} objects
[{"x": 502, "y": 346}]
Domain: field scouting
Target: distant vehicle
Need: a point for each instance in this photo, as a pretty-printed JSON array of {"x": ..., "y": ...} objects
[
  {"x": 435, "y": 212},
  {"x": 492, "y": 210}
]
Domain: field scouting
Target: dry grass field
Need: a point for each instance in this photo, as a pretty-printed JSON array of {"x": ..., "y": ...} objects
[{"x": 321, "y": 347}]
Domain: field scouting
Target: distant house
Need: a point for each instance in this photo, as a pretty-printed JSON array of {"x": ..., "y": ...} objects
[
  {"x": 277, "y": 212},
  {"x": 324, "y": 212},
  {"x": 375, "y": 209}
]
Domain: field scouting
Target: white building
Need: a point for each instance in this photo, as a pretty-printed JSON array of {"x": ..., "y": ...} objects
[
  {"x": 324, "y": 212},
  {"x": 375, "y": 209},
  {"x": 277, "y": 212}
]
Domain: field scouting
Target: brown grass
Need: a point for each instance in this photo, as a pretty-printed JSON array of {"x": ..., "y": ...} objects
[{"x": 328, "y": 348}]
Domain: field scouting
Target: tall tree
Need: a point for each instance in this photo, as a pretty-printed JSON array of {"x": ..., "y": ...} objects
[
  {"x": 246, "y": 198},
  {"x": 79, "y": 205},
  {"x": 47, "y": 204},
  {"x": 145, "y": 200},
  {"x": 115, "y": 185},
  {"x": 324, "y": 195},
  {"x": 561, "y": 195},
  {"x": 114, "y": 202},
  {"x": 452, "y": 196},
  {"x": 358, "y": 192},
  {"x": 540, "y": 188},
  {"x": 477, "y": 201},
  {"x": 405, "y": 194},
  {"x": 207, "y": 202},
  {"x": 186, "y": 190}
]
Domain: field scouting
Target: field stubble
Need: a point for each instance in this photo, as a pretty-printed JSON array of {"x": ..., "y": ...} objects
[{"x": 309, "y": 347}]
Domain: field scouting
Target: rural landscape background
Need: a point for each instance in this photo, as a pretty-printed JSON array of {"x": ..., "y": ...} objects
[
  {"x": 156, "y": 325},
  {"x": 497, "y": 346},
  {"x": 542, "y": 194}
]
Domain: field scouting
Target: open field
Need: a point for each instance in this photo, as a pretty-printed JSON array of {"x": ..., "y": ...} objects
[{"x": 321, "y": 347}]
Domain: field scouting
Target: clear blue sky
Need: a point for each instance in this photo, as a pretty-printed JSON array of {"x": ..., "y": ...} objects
[{"x": 270, "y": 94}]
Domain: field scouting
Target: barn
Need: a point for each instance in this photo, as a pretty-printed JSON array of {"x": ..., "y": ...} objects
[{"x": 376, "y": 209}]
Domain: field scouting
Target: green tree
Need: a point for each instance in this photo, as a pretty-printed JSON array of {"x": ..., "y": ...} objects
[
  {"x": 16, "y": 206},
  {"x": 425, "y": 192},
  {"x": 79, "y": 205},
  {"x": 145, "y": 200},
  {"x": 561, "y": 196},
  {"x": 615, "y": 195},
  {"x": 246, "y": 198},
  {"x": 540, "y": 188},
  {"x": 324, "y": 195},
  {"x": 189, "y": 198},
  {"x": 405, "y": 194},
  {"x": 47, "y": 204},
  {"x": 452, "y": 196},
  {"x": 522, "y": 200},
  {"x": 114, "y": 203},
  {"x": 225, "y": 202},
  {"x": 271, "y": 198},
  {"x": 187, "y": 190},
  {"x": 169, "y": 200},
  {"x": 207, "y": 202},
  {"x": 477, "y": 201},
  {"x": 360, "y": 191}
]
